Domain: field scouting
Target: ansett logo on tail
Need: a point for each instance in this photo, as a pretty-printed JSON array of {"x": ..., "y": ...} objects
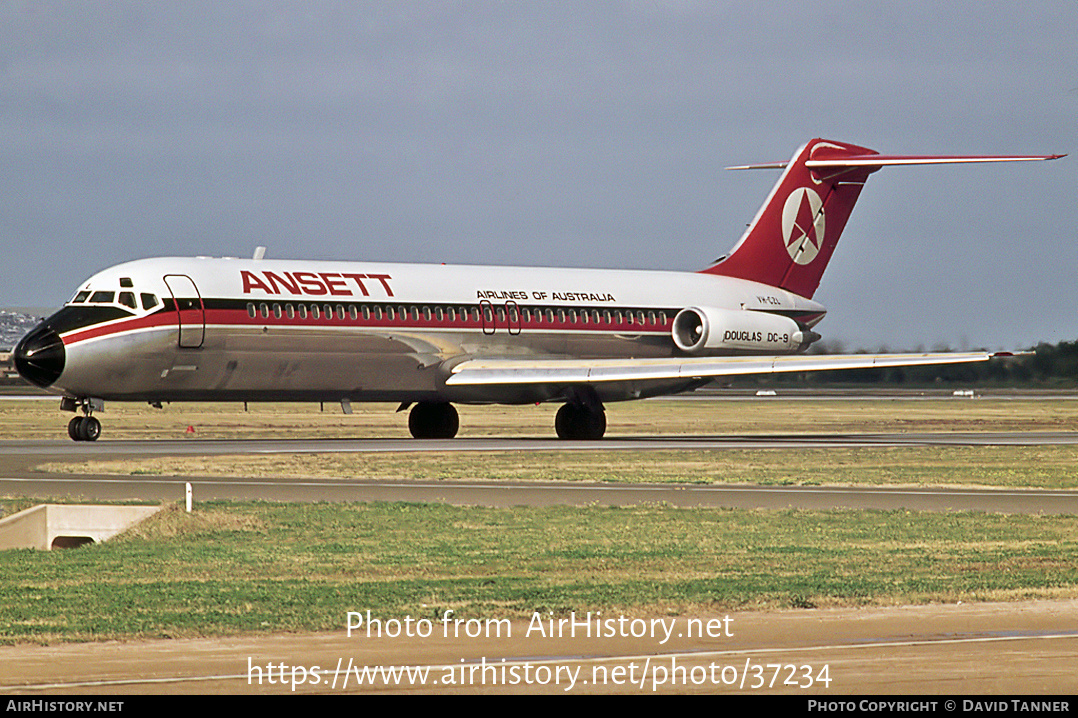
[{"x": 803, "y": 224}]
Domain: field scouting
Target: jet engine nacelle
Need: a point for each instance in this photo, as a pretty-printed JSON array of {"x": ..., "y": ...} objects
[{"x": 699, "y": 329}]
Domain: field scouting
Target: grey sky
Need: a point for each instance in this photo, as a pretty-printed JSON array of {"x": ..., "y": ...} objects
[{"x": 581, "y": 134}]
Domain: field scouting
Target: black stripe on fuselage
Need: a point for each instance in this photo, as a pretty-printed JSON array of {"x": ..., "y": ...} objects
[
  {"x": 73, "y": 317},
  {"x": 492, "y": 316}
]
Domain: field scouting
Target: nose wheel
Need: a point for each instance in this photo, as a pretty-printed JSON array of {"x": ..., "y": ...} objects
[{"x": 84, "y": 428}]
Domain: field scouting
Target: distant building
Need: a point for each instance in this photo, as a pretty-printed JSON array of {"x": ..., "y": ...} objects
[{"x": 13, "y": 325}]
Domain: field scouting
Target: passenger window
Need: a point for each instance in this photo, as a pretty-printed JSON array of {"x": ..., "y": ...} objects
[
  {"x": 149, "y": 301},
  {"x": 250, "y": 309},
  {"x": 128, "y": 300}
]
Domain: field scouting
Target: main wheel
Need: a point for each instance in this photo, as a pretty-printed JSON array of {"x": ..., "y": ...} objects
[
  {"x": 575, "y": 421},
  {"x": 429, "y": 420}
]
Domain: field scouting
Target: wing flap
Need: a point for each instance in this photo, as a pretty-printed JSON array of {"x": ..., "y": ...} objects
[{"x": 485, "y": 372}]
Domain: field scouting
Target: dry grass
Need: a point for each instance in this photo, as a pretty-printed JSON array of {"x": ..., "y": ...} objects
[
  {"x": 1047, "y": 467},
  {"x": 41, "y": 419},
  {"x": 1044, "y": 467},
  {"x": 172, "y": 522}
]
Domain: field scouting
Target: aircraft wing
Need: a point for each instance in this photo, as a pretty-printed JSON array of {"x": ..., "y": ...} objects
[{"x": 487, "y": 372}]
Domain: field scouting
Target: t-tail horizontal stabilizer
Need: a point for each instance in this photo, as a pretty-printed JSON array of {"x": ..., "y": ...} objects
[{"x": 793, "y": 236}]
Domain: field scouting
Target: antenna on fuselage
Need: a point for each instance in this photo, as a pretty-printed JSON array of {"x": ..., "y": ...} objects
[{"x": 260, "y": 252}]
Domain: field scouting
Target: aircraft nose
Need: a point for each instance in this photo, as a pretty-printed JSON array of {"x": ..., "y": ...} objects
[{"x": 39, "y": 356}]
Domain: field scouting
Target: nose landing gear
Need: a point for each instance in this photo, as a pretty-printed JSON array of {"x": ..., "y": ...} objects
[{"x": 86, "y": 427}]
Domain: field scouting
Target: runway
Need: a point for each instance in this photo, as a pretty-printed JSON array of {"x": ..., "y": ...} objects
[
  {"x": 216, "y": 447},
  {"x": 18, "y": 459}
]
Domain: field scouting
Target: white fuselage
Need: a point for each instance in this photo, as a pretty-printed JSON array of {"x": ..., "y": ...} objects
[{"x": 373, "y": 331}]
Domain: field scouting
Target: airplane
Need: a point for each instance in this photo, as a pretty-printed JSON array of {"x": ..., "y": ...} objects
[{"x": 430, "y": 336}]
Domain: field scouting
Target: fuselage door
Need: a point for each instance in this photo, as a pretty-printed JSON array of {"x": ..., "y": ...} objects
[
  {"x": 488, "y": 317},
  {"x": 512, "y": 315},
  {"x": 190, "y": 310}
]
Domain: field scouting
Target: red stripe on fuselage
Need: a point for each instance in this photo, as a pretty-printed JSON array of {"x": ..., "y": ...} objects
[{"x": 166, "y": 319}]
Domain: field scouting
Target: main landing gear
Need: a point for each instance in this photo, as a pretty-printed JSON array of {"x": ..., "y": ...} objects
[
  {"x": 431, "y": 420},
  {"x": 439, "y": 420}
]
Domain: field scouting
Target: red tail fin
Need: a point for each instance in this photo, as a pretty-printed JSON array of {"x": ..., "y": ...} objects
[{"x": 794, "y": 234}]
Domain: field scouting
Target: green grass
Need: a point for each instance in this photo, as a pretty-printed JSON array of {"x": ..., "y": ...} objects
[{"x": 261, "y": 567}]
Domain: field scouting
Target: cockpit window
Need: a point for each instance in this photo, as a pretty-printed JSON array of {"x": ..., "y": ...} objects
[
  {"x": 80, "y": 297},
  {"x": 126, "y": 282},
  {"x": 149, "y": 301},
  {"x": 102, "y": 297},
  {"x": 128, "y": 299}
]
